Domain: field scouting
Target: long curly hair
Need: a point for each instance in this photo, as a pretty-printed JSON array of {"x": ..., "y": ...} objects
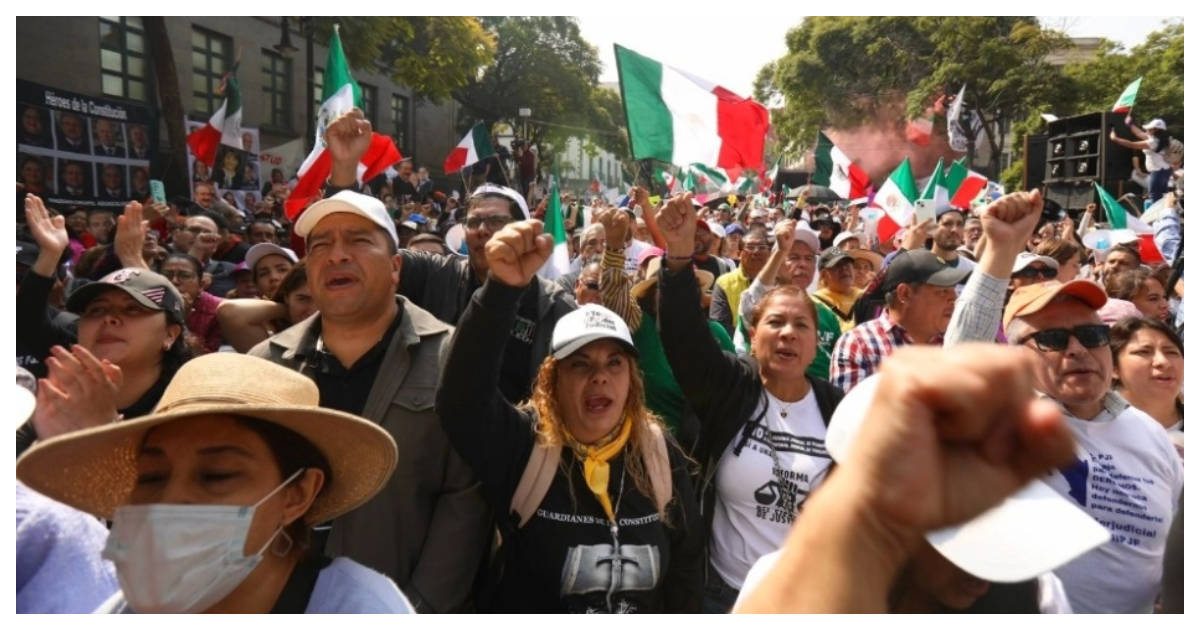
[{"x": 551, "y": 430}]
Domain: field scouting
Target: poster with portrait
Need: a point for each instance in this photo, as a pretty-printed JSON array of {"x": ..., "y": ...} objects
[
  {"x": 236, "y": 172},
  {"x": 77, "y": 150}
]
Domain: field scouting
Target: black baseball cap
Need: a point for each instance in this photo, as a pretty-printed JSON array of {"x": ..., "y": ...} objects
[
  {"x": 920, "y": 266},
  {"x": 147, "y": 288},
  {"x": 831, "y": 257}
]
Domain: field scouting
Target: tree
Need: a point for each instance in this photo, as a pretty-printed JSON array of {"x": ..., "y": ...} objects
[
  {"x": 432, "y": 55},
  {"x": 845, "y": 72},
  {"x": 542, "y": 63}
]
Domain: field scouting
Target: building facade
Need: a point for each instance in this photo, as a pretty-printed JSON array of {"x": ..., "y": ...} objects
[{"x": 109, "y": 57}]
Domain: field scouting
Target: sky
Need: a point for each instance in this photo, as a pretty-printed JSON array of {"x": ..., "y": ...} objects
[{"x": 724, "y": 52}]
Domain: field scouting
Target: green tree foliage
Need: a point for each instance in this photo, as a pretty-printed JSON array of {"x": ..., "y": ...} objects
[
  {"x": 435, "y": 56},
  {"x": 844, "y": 71}
]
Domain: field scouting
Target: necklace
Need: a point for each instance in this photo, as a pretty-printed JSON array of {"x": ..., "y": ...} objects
[{"x": 783, "y": 410}]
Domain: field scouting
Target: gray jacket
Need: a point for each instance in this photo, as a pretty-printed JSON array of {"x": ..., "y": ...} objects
[{"x": 428, "y": 528}]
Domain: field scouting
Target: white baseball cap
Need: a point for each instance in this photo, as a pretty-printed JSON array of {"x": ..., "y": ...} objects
[
  {"x": 349, "y": 201},
  {"x": 262, "y": 250},
  {"x": 842, "y": 237},
  {"x": 586, "y": 324},
  {"x": 504, "y": 191},
  {"x": 808, "y": 236},
  {"x": 1032, "y": 531},
  {"x": 1024, "y": 259},
  {"x": 1157, "y": 123}
]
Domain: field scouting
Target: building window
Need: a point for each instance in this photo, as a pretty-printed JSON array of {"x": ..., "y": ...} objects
[
  {"x": 369, "y": 100},
  {"x": 123, "y": 58},
  {"x": 277, "y": 90},
  {"x": 400, "y": 122},
  {"x": 211, "y": 58}
]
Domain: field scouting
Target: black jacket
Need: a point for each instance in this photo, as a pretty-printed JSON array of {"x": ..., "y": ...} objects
[
  {"x": 724, "y": 390},
  {"x": 560, "y": 561}
]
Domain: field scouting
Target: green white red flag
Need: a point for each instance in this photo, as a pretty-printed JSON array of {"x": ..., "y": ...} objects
[
  {"x": 474, "y": 146},
  {"x": 964, "y": 185},
  {"x": 225, "y": 125},
  {"x": 340, "y": 94},
  {"x": 1120, "y": 219},
  {"x": 897, "y": 197},
  {"x": 837, "y": 172},
  {"x": 678, "y": 118},
  {"x": 1127, "y": 98},
  {"x": 559, "y": 262}
]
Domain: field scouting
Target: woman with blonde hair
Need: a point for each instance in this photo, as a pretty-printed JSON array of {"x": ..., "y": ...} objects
[{"x": 593, "y": 500}]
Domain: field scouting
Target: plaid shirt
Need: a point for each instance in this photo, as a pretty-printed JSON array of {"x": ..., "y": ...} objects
[{"x": 860, "y": 350}]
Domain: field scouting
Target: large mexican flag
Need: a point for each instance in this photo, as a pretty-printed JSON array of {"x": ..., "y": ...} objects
[
  {"x": 225, "y": 125},
  {"x": 836, "y": 171},
  {"x": 681, "y": 119}
]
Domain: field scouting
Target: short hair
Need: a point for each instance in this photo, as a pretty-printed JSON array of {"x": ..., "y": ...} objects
[
  {"x": 1125, "y": 285},
  {"x": 189, "y": 259},
  {"x": 295, "y": 278},
  {"x": 756, "y": 229},
  {"x": 784, "y": 291},
  {"x": 425, "y": 238},
  {"x": 1128, "y": 249},
  {"x": 1059, "y": 249},
  {"x": 222, "y": 224},
  {"x": 513, "y": 207}
]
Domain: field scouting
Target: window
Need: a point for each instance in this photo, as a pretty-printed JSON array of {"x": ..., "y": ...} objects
[
  {"x": 123, "y": 58},
  {"x": 400, "y": 122},
  {"x": 211, "y": 59},
  {"x": 277, "y": 89},
  {"x": 318, "y": 88},
  {"x": 369, "y": 99}
]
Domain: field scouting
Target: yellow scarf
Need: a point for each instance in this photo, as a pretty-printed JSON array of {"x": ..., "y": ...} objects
[{"x": 595, "y": 461}]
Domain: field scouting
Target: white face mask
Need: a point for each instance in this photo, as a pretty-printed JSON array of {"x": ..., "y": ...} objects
[{"x": 173, "y": 558}]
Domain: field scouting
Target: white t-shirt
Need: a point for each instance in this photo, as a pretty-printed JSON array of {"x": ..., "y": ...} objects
[
  {"x": 632, "y": 253},
  {"x": 1052, "y": 599},
  {"x": 761, "y": 490},
  {"x": 1128, "y": 477}
]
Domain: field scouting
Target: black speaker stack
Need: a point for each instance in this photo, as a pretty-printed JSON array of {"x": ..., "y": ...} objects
[{"x": 1073, "y": 154}]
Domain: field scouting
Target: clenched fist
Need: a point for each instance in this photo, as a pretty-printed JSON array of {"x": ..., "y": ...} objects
[
  {"x": 515, "y": 253},
  {"x": 616, "y": 226},
  {"x": 677, "y": 221}
]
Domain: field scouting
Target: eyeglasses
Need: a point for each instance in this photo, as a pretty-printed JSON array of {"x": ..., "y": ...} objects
[
  {"x": 1090, "y": 336},
  {"x": 756, "y": 248},
  {"x": 592, "y": 286},
  {"x": 179, "y": 275},
  {"x": 494, "y": 223},
  {"x": 128, "y": 311},
  {"x": 1035, "y": 272}
]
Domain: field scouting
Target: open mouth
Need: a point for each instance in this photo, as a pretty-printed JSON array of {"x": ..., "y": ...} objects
[
  {"x": 339, "y": 281},
  {"x": 597, "y": 404},
  {"x": 1163, "y": 379},
  {"x": 786, "y": 355}
]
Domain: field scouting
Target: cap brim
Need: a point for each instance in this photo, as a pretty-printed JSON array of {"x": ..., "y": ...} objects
[
  {"x": 262, "y": 250},
  {"x": 575, "y": 344},
  {"x": 829, "y": 264},
  {"x": 1032, "y": 531},
  {"x": 80, "y": 297},
  {"x": 1089, "y": 292},
  {"x": 948, "y": 277},
  {"x": 94, "y": 470}
]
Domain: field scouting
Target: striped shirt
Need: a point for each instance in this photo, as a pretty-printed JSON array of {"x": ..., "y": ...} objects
[{"x": 860, "y": 350}]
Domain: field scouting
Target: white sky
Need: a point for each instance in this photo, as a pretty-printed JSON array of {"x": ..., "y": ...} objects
[{"x": 729, "y": 47}]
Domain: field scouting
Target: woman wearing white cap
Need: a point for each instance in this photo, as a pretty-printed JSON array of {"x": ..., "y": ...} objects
[
  {"x": 212, "y": 496},
  {"x": 594, "y": 502},
  {"x": 1153, "y": 142}
]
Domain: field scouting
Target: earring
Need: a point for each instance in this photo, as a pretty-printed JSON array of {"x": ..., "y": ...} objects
[{"x": 286, "y": 550}]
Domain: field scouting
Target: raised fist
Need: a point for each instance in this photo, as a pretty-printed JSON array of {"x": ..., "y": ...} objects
[
  {"x": 616, "y": 226},
  {"x": 1010, "y": 220},
  {"x": 677, "y": 221},
  {"x": 785, "y": 235},
  {"x": 515, "y": 253}
]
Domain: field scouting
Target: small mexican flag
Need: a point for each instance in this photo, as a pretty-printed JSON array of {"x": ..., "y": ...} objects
[
  {"x": 1125, "y": 101},
  {"x": 559, "y": 262},
  {"x": 340, "y": 95},
  {"x": 769, "y": 178},
  {"x": 1119, "y": 219},
  {"x": 835, "y": 171},
  {"x": 936, "y": 189},
  {"x": 666, "y": 178},
  {"x": 964, "y": 185},
  {"x": 225, "y": 125},
  {"x": 680, "y": 119},
  {"x": 473, "y": 147},
  {"x": 701, "y": 175},
  {"x": 897, "y": 197}
]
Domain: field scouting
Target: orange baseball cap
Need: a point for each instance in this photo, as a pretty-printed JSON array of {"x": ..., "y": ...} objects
[{"x": 1032, "y": 298}]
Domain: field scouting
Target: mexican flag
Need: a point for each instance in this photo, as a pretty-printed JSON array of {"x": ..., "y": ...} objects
[
  {"x": 341, "y": 94},
  {"x": 769, "y": 179},
  {"x": 666, "y": 178},
  {"x": 936, "y": 189},
  {"x": 897, "y": 197},
  {"x": 1119, "y": 219},
  {"x": 964, "y": 185},
  {"x": 699, "y": 175},
  {"x": 474, "y": 146},
  {"x": 681, "y": 119},
  {"x": 835, "y": 171},
  {"x": 559, "y": 262},
  {"x": 225, "y": 125},
  {"x": 1125, "y": 101}
]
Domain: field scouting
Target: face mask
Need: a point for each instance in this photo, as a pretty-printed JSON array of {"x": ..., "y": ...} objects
[{"x": 182, "y": 558}]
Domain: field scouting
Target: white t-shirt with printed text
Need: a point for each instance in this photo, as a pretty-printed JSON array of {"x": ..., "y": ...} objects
[{"x": 761, "y": 490}]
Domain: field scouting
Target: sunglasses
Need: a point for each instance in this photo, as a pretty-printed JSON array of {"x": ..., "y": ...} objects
[
  {"x": 1056, "y": 339},
  {"x": 494, "y": 223},
  {"x": 1036, "y": 272},
  {"x": 592, "y": 286}
]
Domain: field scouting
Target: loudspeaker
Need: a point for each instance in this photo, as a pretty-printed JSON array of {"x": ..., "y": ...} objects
[
  {"x": 1035, "y": 161},
  {"x": 1078, "y": 153}
]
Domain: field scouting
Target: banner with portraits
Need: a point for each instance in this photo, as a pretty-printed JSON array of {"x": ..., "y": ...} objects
[
  {"x": 236, "y": 174},
  {"x": 78, "y": 150}
]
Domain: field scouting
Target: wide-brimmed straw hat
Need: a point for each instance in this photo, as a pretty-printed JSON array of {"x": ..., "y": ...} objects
[{"x": 95, "y": 470}]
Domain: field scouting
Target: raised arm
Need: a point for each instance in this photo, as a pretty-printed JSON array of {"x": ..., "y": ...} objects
[
  {"x": 642, "y": 198},
  {"x": 615, "y": 285},
  {"x": 491, "y": 435},
  {"x": 244, "y": 323}
]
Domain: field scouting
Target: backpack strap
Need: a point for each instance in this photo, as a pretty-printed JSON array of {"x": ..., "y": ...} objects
[{"x": 535, "y": 480}]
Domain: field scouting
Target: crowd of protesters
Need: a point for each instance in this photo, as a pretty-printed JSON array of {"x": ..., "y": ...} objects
[{"x": 385, "y": 406}]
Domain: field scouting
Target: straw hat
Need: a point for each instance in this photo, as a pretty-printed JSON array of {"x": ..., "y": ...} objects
[
  {"x": 703, "y": 278},
  {"x": 94, "y": 470}
]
